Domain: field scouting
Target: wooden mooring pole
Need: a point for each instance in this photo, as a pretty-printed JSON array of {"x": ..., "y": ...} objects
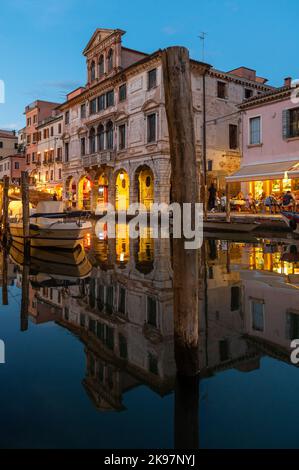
[
  {"x": 5, "y": 210},
  {"x": 4, "y": 276},
  {"x": 185, "y": 189},
  {"x": 26, "y": 264},
  {"x": 25, "y": 204}
]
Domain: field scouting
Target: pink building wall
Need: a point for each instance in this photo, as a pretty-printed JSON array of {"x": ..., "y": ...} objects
[{"x": 273, "y": 148}]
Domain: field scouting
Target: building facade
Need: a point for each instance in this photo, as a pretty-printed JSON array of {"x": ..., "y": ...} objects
[
  {"x": 8, "y": 143},
  {"x": 49, "y": 155},
  {"x": 12, "y": 166},
  {"x": 270, "y": 163},
  {"x": 116, "y": 145},
  {"x": 35, "y": 112}
]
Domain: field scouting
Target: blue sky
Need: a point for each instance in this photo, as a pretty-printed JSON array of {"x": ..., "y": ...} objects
[{"x": 41, "y": 43}]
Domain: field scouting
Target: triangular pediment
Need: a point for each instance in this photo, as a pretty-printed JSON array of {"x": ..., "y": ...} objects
[{"x": 99, "y": 36}]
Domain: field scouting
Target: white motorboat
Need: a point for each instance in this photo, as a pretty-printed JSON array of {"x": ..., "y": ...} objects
[{"x": 51, "y": 227}]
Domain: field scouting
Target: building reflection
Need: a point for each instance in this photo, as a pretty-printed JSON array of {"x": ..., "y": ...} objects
[{"x": 116, "y": 297}]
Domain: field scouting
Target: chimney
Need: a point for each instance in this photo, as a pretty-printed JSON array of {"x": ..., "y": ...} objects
[{"x": 288, "y": 81}]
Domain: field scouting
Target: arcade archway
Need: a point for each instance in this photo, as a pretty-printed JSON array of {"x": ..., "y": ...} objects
[
  {"x": 145, "y": 182},
  {"x": 84, "y": 193},
  {"x": 122, "y": 196}
]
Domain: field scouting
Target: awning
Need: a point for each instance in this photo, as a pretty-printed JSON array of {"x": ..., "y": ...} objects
[{"x": 266, "y": 171}]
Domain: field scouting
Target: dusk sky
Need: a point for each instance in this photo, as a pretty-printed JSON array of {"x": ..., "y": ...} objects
[{"x": 42, "y": 42}]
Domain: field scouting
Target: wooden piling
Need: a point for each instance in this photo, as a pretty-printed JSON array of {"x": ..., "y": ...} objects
[
  {"x": 185, "y": 189},
  {"x": 25, "y": 296},
  {"x": 25, "y": 203},
  {"x": 26, "y": 265},
  {"x": 227, "y": 194},
  {"x": 5, "y": 209},
  {"x": 4, "y": 276}
]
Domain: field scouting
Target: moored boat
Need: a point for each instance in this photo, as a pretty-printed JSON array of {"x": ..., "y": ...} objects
[{"x": 51, "y": 227}]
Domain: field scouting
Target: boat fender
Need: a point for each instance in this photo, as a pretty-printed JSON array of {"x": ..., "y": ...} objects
[{"x": 293, "y": 224}]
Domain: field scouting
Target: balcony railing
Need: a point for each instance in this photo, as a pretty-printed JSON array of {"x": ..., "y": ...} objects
[{"x": 97, "y": 159}]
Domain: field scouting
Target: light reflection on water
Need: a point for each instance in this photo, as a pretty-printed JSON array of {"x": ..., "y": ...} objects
[{"x": 98, "y": 358}]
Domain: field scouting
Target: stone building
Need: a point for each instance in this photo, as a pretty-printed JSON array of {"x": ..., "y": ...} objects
[
  {"x": 12, "y": 166},
  {"x": 35, "y": 112},
  {"x": 8, "y": 143},
  {"x": 116, "y": 146},
  {"x": 49, "y": 155}
]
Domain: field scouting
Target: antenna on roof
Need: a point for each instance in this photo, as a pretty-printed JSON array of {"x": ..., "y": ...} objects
[{"x": 202, "y": 37}]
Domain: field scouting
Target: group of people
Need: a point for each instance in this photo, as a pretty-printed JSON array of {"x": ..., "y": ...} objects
[
  {"x": 274, "y": 204},
  {"x": 216, "y": 201}
]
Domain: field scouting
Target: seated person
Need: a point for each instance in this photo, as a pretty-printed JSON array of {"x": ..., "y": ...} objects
[
  {"x": 250, "y": 203},
  {"x": 288, "y": 201},
  {"x": 223, "y": 202},
  {"x": 271, "y": 202}
]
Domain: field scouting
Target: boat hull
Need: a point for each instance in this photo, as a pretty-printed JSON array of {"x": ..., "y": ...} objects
[
  {"x": 211, "y": 226},
  {"x": 54, "y": 237}
]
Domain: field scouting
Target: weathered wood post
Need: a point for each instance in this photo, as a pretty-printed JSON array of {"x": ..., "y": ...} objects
[
  {"x": 26, "y": 265},
  {"x": 4, "y": 276},
  {"x": 185, "y": 189},
  {"x": 5, "y": 209},
  {"x": 227, "y": 194},
  {"x": 25, "y": 204}
]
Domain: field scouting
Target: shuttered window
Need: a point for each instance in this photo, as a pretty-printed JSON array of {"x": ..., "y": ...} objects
[
  {"x": 255, "y": 131},
  {"x": 233, "y": 136},
  {"x": 290, "y": 123}
]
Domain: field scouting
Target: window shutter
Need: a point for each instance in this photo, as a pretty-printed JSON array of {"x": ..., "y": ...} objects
[{"x": 285, "y": 123}]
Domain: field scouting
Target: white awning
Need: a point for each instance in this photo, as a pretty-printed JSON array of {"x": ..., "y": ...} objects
[{"x": 265, "y": 171}]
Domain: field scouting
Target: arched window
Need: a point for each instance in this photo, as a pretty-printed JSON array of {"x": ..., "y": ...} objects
[
  {"x": 92, "y": 141},
  {"x": 110, "y": 60},
  {"x": 101, "y": 65},
  {"x": 109, "y": 130},
  {"x": 101, "y": 137},
  {"x": 93, "y": 71}
]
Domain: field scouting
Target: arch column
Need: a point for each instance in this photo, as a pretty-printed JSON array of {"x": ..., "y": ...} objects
[
  {"x": 111, "y": 187},
  {"x": 94, "y": 194},
  {"x": 133, "y": 186},
  {"x": 162, "y": 181}
]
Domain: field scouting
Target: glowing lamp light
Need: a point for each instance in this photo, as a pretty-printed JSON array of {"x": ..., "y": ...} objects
[
  {"x": 122, "y": 257},
  {"x": 121, "y": 175}
]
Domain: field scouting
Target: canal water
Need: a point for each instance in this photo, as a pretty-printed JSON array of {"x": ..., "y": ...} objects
[{"x": 95, "y": 367}]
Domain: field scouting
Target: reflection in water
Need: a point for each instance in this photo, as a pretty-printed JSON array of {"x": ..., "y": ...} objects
[{"x": 116, "y": 298}]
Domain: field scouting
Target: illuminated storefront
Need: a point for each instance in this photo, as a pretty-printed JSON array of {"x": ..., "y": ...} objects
[
  {"x": 265, "y": 179},
  {"x": 122, "y": 196},
  {"x": 84, "y": 193},
  {"x": 146, "y": 187}
]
